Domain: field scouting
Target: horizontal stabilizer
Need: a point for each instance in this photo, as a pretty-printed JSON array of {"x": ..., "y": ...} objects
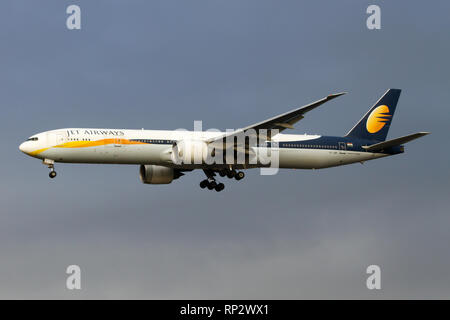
[{"x": 394, "y": 142}]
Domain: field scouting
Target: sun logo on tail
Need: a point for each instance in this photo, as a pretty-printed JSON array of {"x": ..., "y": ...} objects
[{"x": 378, "y": 119}]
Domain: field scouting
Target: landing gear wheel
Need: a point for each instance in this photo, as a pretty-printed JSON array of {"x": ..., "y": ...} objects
[
  {"x": 204, "y": 184},
  {"x": 52, "y": 174},
  {"x": 222, "y": 173},
  {"x": 240, "y": 175},
  {"x": 231, "y": 174},
  {"x": 212, "y": 185},
  {"x": 220, "y": 187}
]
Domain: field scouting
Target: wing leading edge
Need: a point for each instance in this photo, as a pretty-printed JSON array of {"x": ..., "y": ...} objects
[{"x": 280, "y": 122}]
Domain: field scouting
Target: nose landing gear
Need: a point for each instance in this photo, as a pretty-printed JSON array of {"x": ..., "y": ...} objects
[{"x": 51, "y": 165}]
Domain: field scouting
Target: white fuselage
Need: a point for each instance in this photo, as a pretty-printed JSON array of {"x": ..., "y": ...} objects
[{"x": 119, "y": 146}]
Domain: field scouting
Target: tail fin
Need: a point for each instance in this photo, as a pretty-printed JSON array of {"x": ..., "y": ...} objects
[{"x": 376, "y": 122}]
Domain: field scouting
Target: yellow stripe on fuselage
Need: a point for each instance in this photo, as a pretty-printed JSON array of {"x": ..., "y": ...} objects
[
  {"x": 86, "y": 144},
  {"x": 36, "y": 152}
]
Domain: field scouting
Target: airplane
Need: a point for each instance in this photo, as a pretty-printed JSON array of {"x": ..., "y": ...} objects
[{"x": 166, "y": 155}]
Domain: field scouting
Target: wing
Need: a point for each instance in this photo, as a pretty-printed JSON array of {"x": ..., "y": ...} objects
[{"x": 280, "y": 122}]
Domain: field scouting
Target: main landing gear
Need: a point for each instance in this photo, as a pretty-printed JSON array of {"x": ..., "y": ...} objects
[
  {"x": 51, "y": 165},
  {"x": 238, "y": 175},
  {"x": 212, "y": 185},
  {"x": 211, "y": 182}
]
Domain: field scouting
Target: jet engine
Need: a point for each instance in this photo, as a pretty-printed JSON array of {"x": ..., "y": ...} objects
[
  {"x": 189, "y": 152},
  {"x": 152, "y": 174}
]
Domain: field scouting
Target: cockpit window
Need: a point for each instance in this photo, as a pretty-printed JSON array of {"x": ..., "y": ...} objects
[{"x": 32, "y": 139}]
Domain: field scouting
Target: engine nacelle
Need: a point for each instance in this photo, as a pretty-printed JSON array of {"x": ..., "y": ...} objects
[
  {"x": 151, "y": 174},
  {"x": 189, "y": 152}
]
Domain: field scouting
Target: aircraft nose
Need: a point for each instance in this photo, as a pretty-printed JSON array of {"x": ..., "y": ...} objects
[{"x": 23, "y": 147}]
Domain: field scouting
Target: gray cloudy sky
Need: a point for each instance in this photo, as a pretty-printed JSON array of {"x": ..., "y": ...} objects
[{"x": 164, "y": 64}]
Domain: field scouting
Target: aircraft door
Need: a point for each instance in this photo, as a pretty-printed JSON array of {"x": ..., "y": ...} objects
[
  {"x": 60, "y": 138},
  {"x": 56, "y": 138},
  {"x": 117, "y": 142},
  {"x": 112, "y": 148}
]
